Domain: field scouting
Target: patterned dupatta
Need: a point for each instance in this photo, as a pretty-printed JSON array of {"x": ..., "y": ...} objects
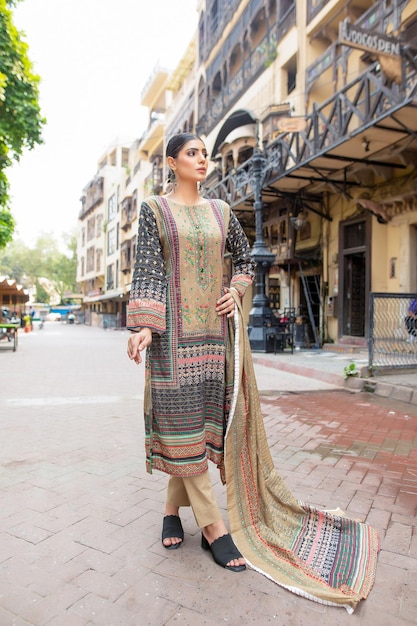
[{"x": 324, "y": 557}]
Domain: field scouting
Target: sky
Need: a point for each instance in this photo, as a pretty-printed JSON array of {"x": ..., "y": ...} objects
[{"x": 94, "y": 57}]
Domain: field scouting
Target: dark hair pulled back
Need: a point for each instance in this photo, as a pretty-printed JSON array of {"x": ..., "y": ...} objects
[{"x": 177, "y": 142}]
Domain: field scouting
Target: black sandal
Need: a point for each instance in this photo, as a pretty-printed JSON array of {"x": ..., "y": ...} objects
[
  {"x": 172, "y": 527},
  {"x": 223, "y": 550}
]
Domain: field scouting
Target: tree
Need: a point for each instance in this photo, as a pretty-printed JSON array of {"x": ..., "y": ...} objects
[
  {"x": 64, "y": 270},
  {"x": 42, "y": 294},
  {"x": 43, "y": 264},
  {"x": 20, "y": 117}
]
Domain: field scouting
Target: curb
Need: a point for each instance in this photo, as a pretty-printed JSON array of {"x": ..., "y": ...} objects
[{"x": 392, "y": 391}]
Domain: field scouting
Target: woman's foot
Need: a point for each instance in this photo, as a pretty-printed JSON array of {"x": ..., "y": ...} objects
[
  {"x": 215, "y": 531},
  {"x": 172, "y": 526}
]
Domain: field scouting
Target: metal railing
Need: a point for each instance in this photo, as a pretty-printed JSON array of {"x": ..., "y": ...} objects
[{"x": 392, "y": 342}]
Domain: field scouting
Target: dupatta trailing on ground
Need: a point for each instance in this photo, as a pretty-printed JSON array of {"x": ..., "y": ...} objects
[{"x": 325, "y": 557}]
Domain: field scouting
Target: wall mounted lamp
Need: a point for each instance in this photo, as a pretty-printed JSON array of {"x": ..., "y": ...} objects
[{"x": 299, "y": 220}]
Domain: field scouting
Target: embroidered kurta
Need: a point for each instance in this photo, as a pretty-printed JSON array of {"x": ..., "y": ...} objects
[{"x": 177, "y": 281}]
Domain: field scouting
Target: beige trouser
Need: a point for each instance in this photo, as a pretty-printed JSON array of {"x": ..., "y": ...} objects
[{"x": 197, "y": 492}]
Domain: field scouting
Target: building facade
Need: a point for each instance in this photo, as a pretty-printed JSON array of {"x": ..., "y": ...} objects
[
  {"x": 326, "y": 93},
  {"x": 308, "y": 110},
  {"x": 99, "y": 238}
]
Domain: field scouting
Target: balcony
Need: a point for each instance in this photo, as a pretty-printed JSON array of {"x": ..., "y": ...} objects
[
  {"x": 280, "y": 238},
  {"x": 321, "y": 12},
  {"x": 260, "y": 58},
  {"x": 213, "y": 27},
  {"x": 126, "y": 256},
  {"x": 152, "y": 138},
  {"x": 129, "y": 211},
  {"x": 153, "y": 183},
  {"x": 93, "y": 195},
  {"x": 375, "y": 18},
  {"x": 154, "y": 86}
]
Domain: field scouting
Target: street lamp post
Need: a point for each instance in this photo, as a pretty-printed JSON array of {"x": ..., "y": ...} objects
[{"x": 261, "y": 317}]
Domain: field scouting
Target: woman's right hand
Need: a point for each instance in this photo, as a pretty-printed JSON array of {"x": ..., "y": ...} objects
[{"x": 138, "y": 342}]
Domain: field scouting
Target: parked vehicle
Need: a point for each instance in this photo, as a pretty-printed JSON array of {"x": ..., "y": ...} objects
[{"x": 9, "y": 325}]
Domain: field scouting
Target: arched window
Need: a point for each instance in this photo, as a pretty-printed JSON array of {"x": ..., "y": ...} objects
[
  {"x": 235, "y": 60},
  {"x": 246, "y": 46},
  {"x": 217, "y": 85},
  {"x": 201, "y": 98},
  {"x": 225, "y": 74},
  {"x": 201, "y": 37},
  {"x": 258, "y": 28}
]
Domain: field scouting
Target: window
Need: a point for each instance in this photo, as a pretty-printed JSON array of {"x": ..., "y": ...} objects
[
  {"x": 291, "y": 74},
  {"x": 354, "y": 235},
  {"x": 214, "y": 17},
  {"x": 235, "y": 60},
  {"x": 201, "y": 39},
  {"x": 217, "y": 85},
  {"x": 201, "y": 98},
  {"x": 111, "y": 241},
  {"x": 83, "y": 237},
  {"x": 98, "y": 260},
  {"x": 244, "y": 154},
  {"x": 111, "y": 208},
  {"x": 110, "y": 276},
  {"x": 91, "y": 228},
  {"x": 258, "y": 27},
  {"x": 284, "y": 7},
  {"x": 292, "y": 81},
  {"x": 99, "y": 225},
  {"x": 90, "y": 259}
]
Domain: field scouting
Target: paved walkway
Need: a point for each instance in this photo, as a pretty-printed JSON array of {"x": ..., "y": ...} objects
[{"x": 80, "y": 519}]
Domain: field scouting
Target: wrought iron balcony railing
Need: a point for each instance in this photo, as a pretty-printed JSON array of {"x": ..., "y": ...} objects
[{"x": 365, "y": 101}]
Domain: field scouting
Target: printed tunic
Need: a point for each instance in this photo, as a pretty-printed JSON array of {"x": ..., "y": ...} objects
[{"x": 177, "y": 281}]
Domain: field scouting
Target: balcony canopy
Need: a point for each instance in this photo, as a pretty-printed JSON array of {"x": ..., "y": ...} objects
[{"x": 236, "y": 119}]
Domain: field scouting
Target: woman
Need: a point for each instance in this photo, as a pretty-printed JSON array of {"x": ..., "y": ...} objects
[
  {"x": 178, "y": 309},
  {"x": 411, "y": 320}
]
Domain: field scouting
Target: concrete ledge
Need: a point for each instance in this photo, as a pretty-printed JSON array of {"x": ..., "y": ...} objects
[
  {"x": 371, "y": 384},
  {"x": 354, "y": 383},
  {"x": 401, "y": 393},
  {"x": 383, "y": 389}
]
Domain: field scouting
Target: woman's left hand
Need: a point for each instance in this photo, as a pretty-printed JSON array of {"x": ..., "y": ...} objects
[{"x": 226, "y": 305}]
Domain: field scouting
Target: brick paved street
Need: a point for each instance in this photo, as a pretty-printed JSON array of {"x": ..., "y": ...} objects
[{"x": 80, "y": 519}]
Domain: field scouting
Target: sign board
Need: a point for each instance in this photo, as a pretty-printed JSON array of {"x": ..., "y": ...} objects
[
  {"x": 291, "y": 124},
  {"x": 350, "y": 35}
]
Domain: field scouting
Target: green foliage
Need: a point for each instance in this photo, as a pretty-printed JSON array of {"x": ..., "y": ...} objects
[
  {"x": 20, "y": 118},
  {"x": 268, "y": 50},
  {"x": 45, "y": 260},
  {"x": 350, "y": 370},
  {"x": 6, "y": 225},
  {"x": 42, "y": 295}
]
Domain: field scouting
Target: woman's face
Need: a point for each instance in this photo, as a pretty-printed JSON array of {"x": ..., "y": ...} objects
[{"x": 191, "y": 162}]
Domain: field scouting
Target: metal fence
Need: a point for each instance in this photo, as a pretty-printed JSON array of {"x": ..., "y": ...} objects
[{"x": 392, "y": 336}]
